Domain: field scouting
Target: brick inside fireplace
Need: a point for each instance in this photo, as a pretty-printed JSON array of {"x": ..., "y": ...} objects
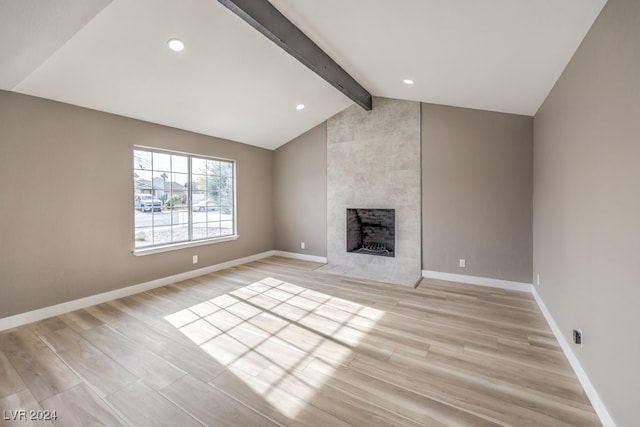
[{"x": 371, "y": 231}]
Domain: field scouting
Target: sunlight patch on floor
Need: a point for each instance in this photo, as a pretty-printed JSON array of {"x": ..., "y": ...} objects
[{"x": 268, "y": 332}]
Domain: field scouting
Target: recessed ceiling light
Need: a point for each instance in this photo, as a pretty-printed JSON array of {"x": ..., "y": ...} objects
[
  {"x": 408, "y": 81},
  {"x": 175, "y": 45},
  {"x": 300, "y": 107}
]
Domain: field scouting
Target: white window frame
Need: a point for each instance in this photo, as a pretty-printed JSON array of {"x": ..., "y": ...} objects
[{"x": 152, "y": 249}]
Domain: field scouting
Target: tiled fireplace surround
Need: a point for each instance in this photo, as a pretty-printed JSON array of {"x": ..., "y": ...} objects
[{"x": 373, "y": 161}]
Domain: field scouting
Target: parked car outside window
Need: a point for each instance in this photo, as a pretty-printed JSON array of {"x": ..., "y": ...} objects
[{"x": 147, "y": 203}]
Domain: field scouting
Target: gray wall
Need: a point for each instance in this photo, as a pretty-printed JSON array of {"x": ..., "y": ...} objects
[
  {"x": 300, "y": 193},
  {"x": 476, "y": 192},
  {"x": 66, "y": 224},
  {"x": 587, "y": 208}
]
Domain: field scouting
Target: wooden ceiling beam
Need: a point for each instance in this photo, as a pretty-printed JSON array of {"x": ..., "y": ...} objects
[{"x": 264, "y": 17}]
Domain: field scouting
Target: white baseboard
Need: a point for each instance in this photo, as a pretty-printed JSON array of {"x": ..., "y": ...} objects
[
  {"x": 474, "y": 280},
  {"x": 66, "y": 307},
  {"x": 304, "y": 257},
  {"x": 592, "y": 394}
]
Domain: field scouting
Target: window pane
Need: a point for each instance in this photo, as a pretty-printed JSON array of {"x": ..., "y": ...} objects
[
  {"x": 214, "y": 214},
  {"x": 161, "y": 235},
  {"x": 199, "y": 183},
  {"x": 199, "y": 204},
  {"x": 144, "y": 237},
  {"x": 180, "y": 233},
  {"x": 213, "y": 167},
  {"x": 198, "y": 166},
  {"x": 180, "y": 181},
  {"x": 142, "y": 219},
  {"x": 178, "y": 187},
  {"x": 199, "y": 231},
  {"x": 179, "y": 164},
  {"x": 141, "y": 180},
  {"x": 180, "y": 217},
  {"x": 226, "y": 170},
  {"x": 141, "y": 159},
  {"x": 226, "y": 198},
  {"x": 159, "y": 183},
  {"x": 161, "y": 162},
  {"x": 226, "y": 227},
  {"x": 213, "y": 229}
]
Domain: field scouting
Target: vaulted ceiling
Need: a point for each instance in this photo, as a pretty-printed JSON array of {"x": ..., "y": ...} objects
[{"x": 232, "y": 82}]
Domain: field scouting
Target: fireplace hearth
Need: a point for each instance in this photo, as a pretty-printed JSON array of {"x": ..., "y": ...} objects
[{"x": 371, "y": 231}]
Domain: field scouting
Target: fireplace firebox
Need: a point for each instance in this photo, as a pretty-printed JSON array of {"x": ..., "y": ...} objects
[{"x": 371, "y": 231}]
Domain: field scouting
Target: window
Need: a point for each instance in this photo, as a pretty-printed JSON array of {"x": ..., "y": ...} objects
[{"x": 181, "y": 198}]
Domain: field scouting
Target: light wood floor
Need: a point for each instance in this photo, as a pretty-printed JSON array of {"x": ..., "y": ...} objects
[{"x": 274, "y": 342}]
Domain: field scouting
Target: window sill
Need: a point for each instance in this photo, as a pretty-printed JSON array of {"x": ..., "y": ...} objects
[{"x": 176, "y": 246}]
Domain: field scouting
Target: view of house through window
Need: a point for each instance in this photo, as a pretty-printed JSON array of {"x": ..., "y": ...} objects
[{"x": 181, "y": 198}]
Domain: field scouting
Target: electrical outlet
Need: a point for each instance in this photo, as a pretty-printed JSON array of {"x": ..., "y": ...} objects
[
  {"x": 195, "y": 259},
  {"x": 302, "y": 245},
  {"x": 538, "y": 279},
  {"x": 578, "y": 338},
  {"x": 463, "y": 263}
]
